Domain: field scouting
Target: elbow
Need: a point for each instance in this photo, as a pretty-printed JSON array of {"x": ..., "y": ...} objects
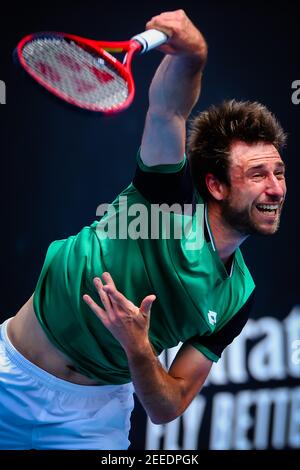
[
  {"x": 160, "y": 420},
  {"x": 164, "y": 418},
  {"x": 168, "y": 410}
]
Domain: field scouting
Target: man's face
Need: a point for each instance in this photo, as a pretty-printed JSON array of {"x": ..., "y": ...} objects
[{"x": 257, "y": 189}]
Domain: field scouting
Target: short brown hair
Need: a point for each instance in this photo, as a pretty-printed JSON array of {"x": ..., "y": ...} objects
[{"x": 213, "y": 131}]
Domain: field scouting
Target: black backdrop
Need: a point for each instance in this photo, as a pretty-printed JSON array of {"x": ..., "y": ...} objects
[{"x": 58, "y": 164}]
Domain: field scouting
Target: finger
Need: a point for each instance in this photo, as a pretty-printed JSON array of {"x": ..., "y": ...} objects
[
  {"x": 100, "y": 312},
  {"x": 118, "y": 299},
  {"x": 167, "y": 24},
  {"x": 103, "y": 295},
  {"x": 168, "y": 16},
  {"x": 108, "y": 279},
  {"x": 147, "y": 304},
  {"x": 165, "y": 28}
]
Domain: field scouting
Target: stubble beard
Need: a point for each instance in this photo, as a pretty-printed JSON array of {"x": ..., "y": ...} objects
[{"x": 242, "y": 221}]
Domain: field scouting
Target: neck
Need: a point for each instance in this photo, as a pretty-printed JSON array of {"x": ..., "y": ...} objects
[{"x": 227, "y": 239}]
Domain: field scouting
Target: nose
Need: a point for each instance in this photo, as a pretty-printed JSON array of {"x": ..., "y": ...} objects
[{"x": 276, "y": 187}]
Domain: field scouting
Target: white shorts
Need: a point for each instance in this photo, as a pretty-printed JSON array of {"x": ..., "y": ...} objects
[{"x": 40, "y": 411}]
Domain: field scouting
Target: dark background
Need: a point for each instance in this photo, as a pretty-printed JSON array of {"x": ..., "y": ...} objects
[{"x": 58, "y": 164}]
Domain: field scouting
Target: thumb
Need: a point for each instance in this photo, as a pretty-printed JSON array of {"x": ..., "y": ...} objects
[{"x": 147, "y": 303}]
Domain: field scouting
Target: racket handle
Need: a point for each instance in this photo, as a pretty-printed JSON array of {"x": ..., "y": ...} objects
[{"x": 150, "y": 39}]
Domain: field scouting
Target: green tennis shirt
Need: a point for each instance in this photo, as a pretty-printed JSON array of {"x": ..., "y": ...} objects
[{"x": 145, "y": 254}]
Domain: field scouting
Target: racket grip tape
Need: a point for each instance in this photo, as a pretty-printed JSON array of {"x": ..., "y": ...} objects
[{"x": 150, "y": 39}]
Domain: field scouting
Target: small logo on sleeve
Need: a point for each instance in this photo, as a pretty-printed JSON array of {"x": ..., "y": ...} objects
[{"x": 212, "y": 317}]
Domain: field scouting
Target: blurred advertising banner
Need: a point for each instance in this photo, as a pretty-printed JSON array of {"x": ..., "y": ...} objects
[{"x": 251, "y": 399}]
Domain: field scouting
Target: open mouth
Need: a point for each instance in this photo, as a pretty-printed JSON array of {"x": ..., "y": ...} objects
[{"x": 268, "y": 209}]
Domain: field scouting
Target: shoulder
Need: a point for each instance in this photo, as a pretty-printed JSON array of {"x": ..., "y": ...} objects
[{"x": 164, "y": 184}]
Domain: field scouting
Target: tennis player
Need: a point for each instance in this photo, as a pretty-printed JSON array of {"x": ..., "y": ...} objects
[{"x": 105, "y": 307}]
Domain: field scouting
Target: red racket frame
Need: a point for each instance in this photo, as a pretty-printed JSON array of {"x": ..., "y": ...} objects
[{"x": 101, "y": 48}]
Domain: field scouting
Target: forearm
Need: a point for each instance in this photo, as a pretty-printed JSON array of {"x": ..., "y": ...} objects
[
  {"x": 174, "y": 91},
  {"x": 160, "y": 394},
  {"x": 176, "y": 85}
]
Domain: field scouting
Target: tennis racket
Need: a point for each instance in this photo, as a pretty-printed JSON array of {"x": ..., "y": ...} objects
[{"x": 82, "y": 71}]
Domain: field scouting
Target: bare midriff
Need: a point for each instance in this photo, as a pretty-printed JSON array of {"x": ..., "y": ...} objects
[{"x": 28, "y": 337}]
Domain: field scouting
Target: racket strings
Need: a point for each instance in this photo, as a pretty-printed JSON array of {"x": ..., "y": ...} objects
[{"x": 82, "y": 77}]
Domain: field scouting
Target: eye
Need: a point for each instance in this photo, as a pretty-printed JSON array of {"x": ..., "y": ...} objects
[
  {"x": 279, "y": 175},
  {"x": 257, "y": 176}
]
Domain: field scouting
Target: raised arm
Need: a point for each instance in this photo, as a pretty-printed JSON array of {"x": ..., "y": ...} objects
[{"x": 174, "y": 90}]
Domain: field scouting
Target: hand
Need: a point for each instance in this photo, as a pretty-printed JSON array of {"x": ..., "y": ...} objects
[
  {"x": 128, "y": 323},
  {"x": 184, "y": 37}
]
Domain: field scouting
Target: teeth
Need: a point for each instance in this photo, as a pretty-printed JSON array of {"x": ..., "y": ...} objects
[{"x": 268, "y": 207}]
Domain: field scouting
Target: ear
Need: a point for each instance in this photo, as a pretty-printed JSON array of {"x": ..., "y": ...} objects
[{"x": 217, "y": 189}]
